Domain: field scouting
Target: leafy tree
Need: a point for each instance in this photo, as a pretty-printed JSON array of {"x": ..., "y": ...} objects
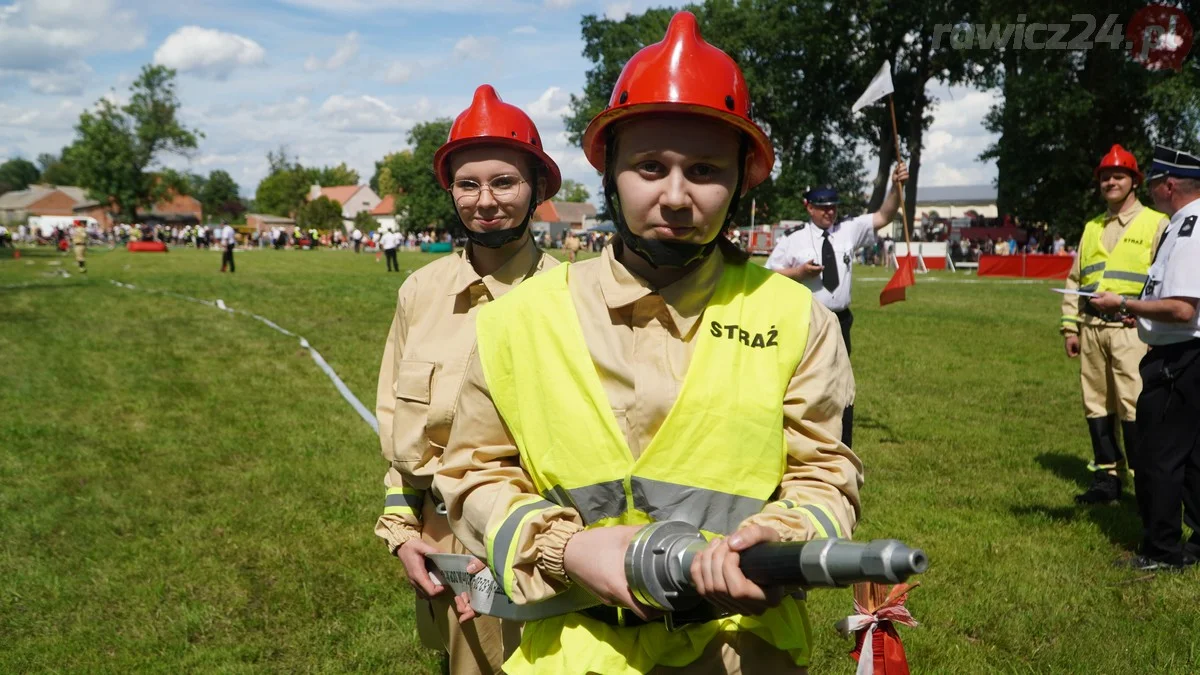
[
  {"x": 285, "y": 189},
  {"x": 219, "y": 195},
  {"x": 321, "y": 213},
  {"x": 116, "y": 146},
  {"x": 805, "y": 66},
  {"x": 420, "y": 201},
  {"x": 337, "y": 175},
  {"x": 56, "y": 171},
  {"x": 17, "y": 174},
  {"x": 1061, "y": 110},
  {"x": 573, "y": 191},
  {"x": 365, "y": 222}
]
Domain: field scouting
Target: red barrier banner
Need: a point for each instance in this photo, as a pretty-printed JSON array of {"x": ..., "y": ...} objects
[
  {"x": 146, "y": 247},
  {"x": 1028, "y": 266}
]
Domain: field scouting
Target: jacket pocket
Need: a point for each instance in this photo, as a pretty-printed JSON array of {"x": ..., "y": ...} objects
[{"x": 414, "y": 381}]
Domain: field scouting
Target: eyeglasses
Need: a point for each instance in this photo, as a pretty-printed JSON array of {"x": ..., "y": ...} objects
[{"x": 504, "y": 189}]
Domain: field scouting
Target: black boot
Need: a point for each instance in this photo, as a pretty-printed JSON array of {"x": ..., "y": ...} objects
[{"x": 1105, "y": 488}]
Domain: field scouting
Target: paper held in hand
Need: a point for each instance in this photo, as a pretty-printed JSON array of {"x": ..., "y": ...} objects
[
  {"x": 1071, "y": 291},
  {"x": 487, "y": 595}
]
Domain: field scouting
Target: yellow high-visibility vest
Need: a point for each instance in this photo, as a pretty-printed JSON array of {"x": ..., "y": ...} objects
[
  {"x": 717, "y": 459},
  {"x": 1123, "y": 270}
]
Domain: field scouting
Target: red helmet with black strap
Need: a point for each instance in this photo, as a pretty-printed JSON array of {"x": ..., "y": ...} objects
[
  {"x": 1119, "y": 158},
  {"x": 682, "y": 74},
  {"x": 490, "y": 121}
]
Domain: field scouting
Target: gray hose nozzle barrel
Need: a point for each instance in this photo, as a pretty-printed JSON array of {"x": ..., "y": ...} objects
[{"x": 659, "y": 559}]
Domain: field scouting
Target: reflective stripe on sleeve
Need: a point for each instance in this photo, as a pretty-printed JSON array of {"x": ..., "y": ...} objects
[
  {"x": 1068, "y": 318},
  {"x": 501, "y": 544},
  {"x": 821, "y": 517},
  {"x": 1091, "y": 268},
  {"x": 403, "y": 501}
]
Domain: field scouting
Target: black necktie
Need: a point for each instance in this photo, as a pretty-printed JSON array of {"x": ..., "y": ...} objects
[{"x": 829, "y": 275}]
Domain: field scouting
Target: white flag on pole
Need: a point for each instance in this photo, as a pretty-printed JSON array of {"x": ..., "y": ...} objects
[{"x": 881, "y": 85}]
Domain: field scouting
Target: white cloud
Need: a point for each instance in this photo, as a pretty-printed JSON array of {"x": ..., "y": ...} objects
[
  {"x": 68, "y": 80},
  {"x": 550, "y": 107},
  {"x": 59, "y": 116},
  {"x": 43, "y": 34},
  {"x": 397, "y": 73},
  {"x": 347, "y": 49},
  {"x": 45, "y": 41},
  {"x": 559, "y": 4},
  {"x": 355, "y": 7},
  {"x": 208, "y": 52},
  {"x": 475, "y": 48},
  {"x": 287, "y": 110},
  {"x": 616, "y": 11},
  {"x": 524, "y": 30},
  {"x": 362, "y": 114}
]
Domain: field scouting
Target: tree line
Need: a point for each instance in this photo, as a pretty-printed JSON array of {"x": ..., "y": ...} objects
[
  {"x": 807, "y": 61},
  {"x": 1058, "y": 111}
]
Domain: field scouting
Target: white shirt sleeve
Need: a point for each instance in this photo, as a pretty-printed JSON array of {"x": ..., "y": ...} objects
[
  {"x": 864, "y": 230},
  {"x": 780, "y": 258},
  {"x": 1182, "y": 278}
]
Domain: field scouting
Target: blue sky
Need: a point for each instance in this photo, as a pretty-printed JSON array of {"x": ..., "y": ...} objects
[{"x": 337, "y": 80}]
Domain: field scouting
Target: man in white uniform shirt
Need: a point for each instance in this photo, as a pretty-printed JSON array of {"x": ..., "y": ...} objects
[
  {"x": 1167, "y": 470},
  {"x": 228, "y": 242},
  {"x": 820, "y": 255},
  {"x": 389, "y": 242}
]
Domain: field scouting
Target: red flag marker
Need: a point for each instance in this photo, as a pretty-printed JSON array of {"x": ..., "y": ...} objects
[{"x": 902, "y": 279}]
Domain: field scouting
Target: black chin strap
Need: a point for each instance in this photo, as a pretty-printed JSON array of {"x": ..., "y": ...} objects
[
  {"x": 666, "y": 253},
  {"x": 499, "y": 238}
]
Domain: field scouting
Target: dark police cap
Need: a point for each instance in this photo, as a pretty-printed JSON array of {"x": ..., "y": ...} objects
[
  {"x": 822, "y": 196},
  {"x": 1171, "y": 162}
]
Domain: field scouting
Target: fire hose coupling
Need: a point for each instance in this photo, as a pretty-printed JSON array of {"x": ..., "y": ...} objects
[{"x": 658, "y": 563}]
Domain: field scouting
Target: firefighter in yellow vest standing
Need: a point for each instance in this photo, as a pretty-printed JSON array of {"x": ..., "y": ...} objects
[
  {"x": 668, "y": 379},
  {"x": 495, "y": 170},
  {"x": 1114, "y": 256}
]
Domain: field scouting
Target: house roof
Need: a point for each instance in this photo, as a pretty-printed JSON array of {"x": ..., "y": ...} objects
[
  {"x": 564, "y": 212},
  {"x": 20, "y": 199},
  {"x": 386, "y": 207},
  {"x": 340, "y": 193}
]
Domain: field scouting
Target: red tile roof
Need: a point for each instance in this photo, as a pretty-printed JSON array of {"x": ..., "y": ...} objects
[
  {"x": 386, "y": 207},
  {"x": 545, "y": 213},
  {"x": 340, "y": 193}
]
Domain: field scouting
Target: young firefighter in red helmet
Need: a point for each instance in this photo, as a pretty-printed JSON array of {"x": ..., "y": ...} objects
[
  {"x": 667, "y": 379},
  {"x": 1114, "y": 255},
  {"x": 495, "y": 170}
]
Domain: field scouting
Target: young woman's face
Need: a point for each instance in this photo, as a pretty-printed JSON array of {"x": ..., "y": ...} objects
[
  {"x": 676, "y": 176},
  {"x": 490, "y": 187}
]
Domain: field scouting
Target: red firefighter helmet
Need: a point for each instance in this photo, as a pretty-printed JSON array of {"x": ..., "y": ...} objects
[
  {"x": 1119, "y": 158},
  {"x": 682, "y": 74},
  {"x": 492, "y": 121}
]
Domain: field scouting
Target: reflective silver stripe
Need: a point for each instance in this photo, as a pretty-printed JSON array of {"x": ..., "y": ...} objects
[
  {"x": 1090, "y": 287},
  {"x": 503, "y": 540},
  {"x": 1127, "y": 276},
  {"x": 708, "y": 510},
  {"x": 412, "y": 501},
  {"x": 831, "y": 529},
  {"x": 1091, "y": 268},
  {"x": 595, "y": 502}
]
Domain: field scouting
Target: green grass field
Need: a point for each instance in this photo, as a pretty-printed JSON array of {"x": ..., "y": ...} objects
[{"x": 181, "y": 489}]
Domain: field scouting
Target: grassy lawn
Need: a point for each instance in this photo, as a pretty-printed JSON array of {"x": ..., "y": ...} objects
[{"x": 182, "y": 489}]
